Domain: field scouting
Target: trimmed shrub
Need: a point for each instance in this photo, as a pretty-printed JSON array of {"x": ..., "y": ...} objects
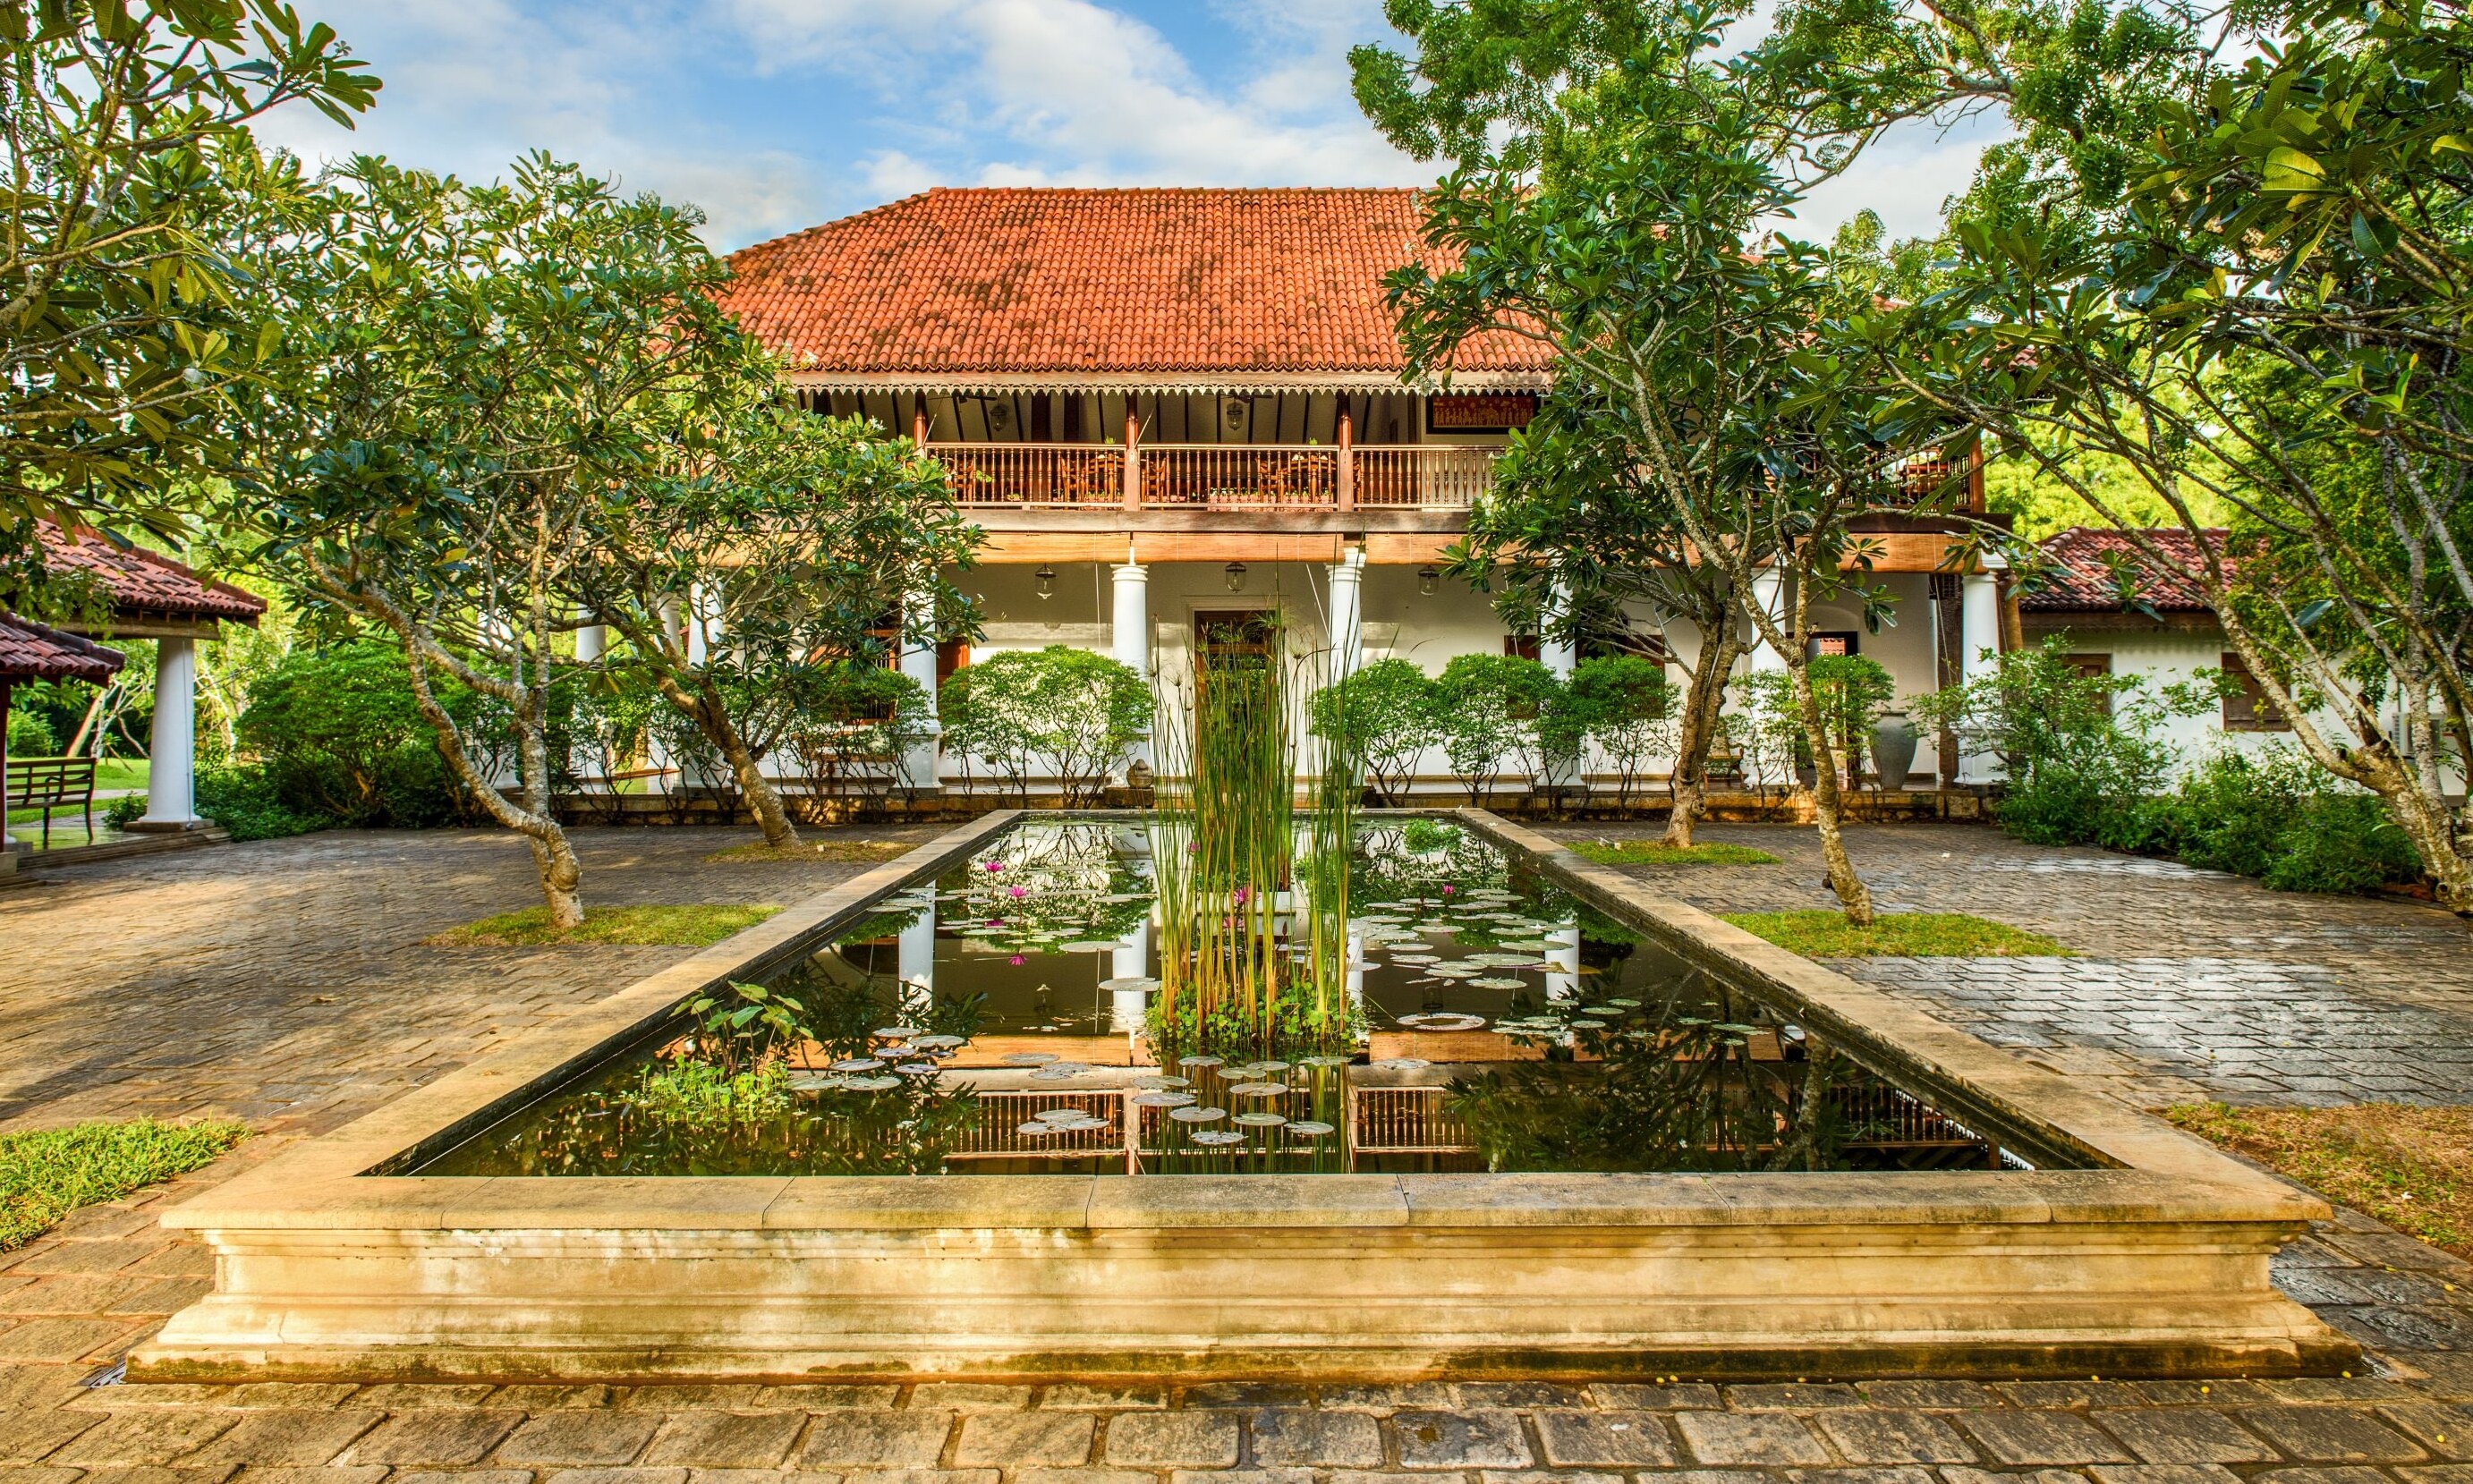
[{"x": 338, "y": 736}]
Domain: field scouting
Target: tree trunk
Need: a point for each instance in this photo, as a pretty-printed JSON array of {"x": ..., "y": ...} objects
[
  {"x": 562, "y": 875},
  {"x": 2446, "y": 850},
  {"x": 1702, "y": 703},
  {"x": 703, "y": 706},
  {"x": 1852, "y": 894}
]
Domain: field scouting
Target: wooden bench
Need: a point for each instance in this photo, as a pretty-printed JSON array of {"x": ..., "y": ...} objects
[{"x": 49, "y": 782}]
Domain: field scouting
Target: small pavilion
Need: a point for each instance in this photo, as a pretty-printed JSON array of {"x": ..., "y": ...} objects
[{"x": 150, "y": 596}]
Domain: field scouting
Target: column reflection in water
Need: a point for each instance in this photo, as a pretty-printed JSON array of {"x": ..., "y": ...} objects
[
  {"x": 918, "y": 962},
  {"x": 1130, "y": 962},
  {"x": 1563, "y": 962}
]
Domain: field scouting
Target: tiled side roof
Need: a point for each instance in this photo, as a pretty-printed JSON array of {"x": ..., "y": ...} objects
[
  {"x": 143, "y": 583},
  {"x": 32, "y": 652},
  {"x": 964, "y": 282},
  {"x": 2082, "y": 579}
]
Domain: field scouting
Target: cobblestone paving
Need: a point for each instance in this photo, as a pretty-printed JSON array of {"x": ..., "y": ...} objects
[
  {"x": 285, "y": 982},
  {"x": 301, "y": 1010},
  {"x": 2193, "y": 984}
]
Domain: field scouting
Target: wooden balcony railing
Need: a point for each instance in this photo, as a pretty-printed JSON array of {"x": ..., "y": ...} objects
[{"x": 1216, "y": 476}]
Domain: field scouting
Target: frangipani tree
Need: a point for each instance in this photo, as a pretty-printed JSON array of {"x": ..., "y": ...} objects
[
  {"x": 758, "y": 558},
  {"x": 491, "y": 362}
]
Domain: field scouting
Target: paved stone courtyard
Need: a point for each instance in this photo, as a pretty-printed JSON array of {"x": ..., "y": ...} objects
[{"x": 287, "y": 983}]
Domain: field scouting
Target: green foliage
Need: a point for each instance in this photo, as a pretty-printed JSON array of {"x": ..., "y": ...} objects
[
  {"x": 1852, "y": 691},
  {"x": 1651, "y": 853},
  {"x": 30, "y": 736},
  {"x": 692, "y": 927},
  {"x": 1895, "y": 935},
  {"x": 1385, "y": 714},
  {"x": 1487, "y": 708},
  {"x": 246, "y": 803},
  {"x": 2284, "y": 821},
  {"x": 1424, "y": 834},
  {"x": 337, "y": 735},
  {"x": 46, "y": 1175},
  {"x": 700, "y": 1097},
  {"x": 851, "y": 724},
  {"x": 1622, "y": 703},
  {"x": 1078, "y": 709},
  {"x": 125, "y": 257}
]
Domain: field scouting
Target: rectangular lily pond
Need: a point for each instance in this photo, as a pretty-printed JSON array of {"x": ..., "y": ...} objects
[
  {"x": 1000, "y": 1019},
  {"x": 1491, "y": 1110}
]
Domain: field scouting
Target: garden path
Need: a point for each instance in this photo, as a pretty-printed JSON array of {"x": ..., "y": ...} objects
[
  {"x": 2192, "y": 984},
  {"x": 287, "y": 982}
]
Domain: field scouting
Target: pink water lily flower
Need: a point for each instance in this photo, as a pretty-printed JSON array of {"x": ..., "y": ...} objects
[
  {"x": 994, "y": 866},
  {"x": 1016, "y": 961},
  {"x": 1243, "y": 893},
  {"x": 1447, "y": 891},
  {"x": 1019, "y": 891},
  {"x": 996, "y": 921}
]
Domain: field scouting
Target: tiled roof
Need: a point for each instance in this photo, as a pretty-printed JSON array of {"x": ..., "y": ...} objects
[
  {"x": 1167, "y": 283},
  {"x": 32, "y": 652},
  {"x": 2083, "y": 577},
  {"x": 144, "y": 583}
]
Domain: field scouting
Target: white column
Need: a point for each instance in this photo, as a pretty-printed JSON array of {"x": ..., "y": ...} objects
[
  {"x": 1978, "y": 628},
  {"x": 918, "y": 661},
  {"x": 704, "y": 623},
  {"x": 1347, "y": 614},
  {"x": 1563, "y": 963},
  {"x": 592, "y": 642},
  {"x": 917, "y": 962},
  {"x": 1130, "y": 630},
  {"x": 170, "y": 778},
  {"x": 1768, "y": 587},
  {"x": 1555, "y": 652},
  {"x": 1126, "y": 1004}
]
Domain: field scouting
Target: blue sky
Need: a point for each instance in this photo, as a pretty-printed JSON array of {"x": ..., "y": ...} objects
[{"x": 776, "y": 114}]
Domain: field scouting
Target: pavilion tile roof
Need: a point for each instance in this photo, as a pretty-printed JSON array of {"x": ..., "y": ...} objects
[
  {"x": 30, "y": 651},
  {"x": 2085, "y": 558},
  {"x": 1171, "y": 283},
  {"x": 144, "y": 583}
]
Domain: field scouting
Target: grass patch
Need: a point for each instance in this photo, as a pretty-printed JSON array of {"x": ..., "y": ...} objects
[
  {"x": 1825, "y": 934},
  {"x": 690, "y": 926},
  {"x": 1655, "y": 852},
  {"x": 812, "y": 850},
  {"x": 2410, "y": 1167},
  {"x": 44, "y": 1176}
]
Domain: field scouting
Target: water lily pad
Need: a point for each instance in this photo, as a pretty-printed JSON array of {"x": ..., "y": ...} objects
[
  {"x": 1143, "y": 982},
  {"x": 1197, "y": 1114},
  {"x": 1217, "y": 1137},
  {"x": 857, "y": 1064},
  {"x": 1444, "y": 1020},
  {"x": 1491, "y": 982},
  {"x": 917, "y": 1068},
  {"x": 1200, "y": 1061},
  {"x": 1155, "y": 1084},
  {"x": 1030, "y": 1058},
  {"x": 1259, "y": 1120},
  {"x": 1259, "y": 1090},
  {"x": 876, "y": 1082},
  {"x": 939, "y": 1042},
  {"x": 900, "y": 1032},
  {"x": 1163, "y": 1098},
  {"x": 1310, "y": 1128}
]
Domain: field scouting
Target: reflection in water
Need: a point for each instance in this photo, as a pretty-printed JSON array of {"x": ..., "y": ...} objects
[{"x": 996, "y": 1021}]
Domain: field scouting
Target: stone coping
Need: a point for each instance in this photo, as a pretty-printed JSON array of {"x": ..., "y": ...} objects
[{"x": 346, "y": 1181}]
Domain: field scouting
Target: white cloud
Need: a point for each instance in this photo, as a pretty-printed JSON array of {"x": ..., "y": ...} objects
[
  {"x": 473, "y": 84},
  {"x": 1905, "y": 177}
]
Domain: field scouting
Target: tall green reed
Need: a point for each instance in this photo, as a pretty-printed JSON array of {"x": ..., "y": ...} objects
[{"x": 1253, "y": 891}]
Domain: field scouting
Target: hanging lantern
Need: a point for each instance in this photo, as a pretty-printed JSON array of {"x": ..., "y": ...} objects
[
  {"x": 1046, "y": 576},
  {"x": 1235, "y": 577},
  {"x": 1429, "y": 580}
]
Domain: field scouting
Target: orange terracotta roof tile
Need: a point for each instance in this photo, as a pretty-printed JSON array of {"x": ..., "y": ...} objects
[
  {"x": 2085, "y": 558},
  {"x": 31, "y": 652},
  {"x": 143, "y": 583},
  {"x": 959, "y": 283}
]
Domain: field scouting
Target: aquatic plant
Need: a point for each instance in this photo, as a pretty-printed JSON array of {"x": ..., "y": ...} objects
[{"x": 1236, "y": 965}]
